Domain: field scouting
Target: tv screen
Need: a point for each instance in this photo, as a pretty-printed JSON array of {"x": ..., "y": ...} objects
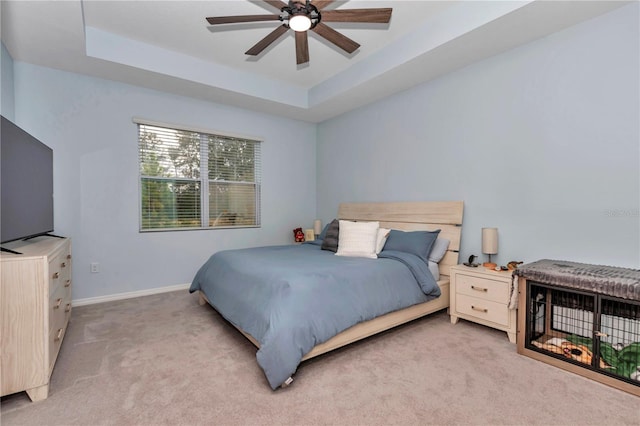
[{"x": 26, "y": 184}]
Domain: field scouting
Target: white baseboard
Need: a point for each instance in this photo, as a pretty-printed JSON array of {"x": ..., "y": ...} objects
[{"x": 129, "y": 295}]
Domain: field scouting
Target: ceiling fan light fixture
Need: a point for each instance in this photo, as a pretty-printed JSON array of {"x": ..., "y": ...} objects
[
  {"x": 302, "y": 16},
  {"x": 300, "y": 22}
]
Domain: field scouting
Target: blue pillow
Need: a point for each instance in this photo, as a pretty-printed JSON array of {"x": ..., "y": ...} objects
[{"x": 414, "y": 242}]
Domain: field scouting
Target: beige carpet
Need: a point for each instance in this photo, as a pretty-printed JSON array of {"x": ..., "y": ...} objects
[{"x": 166, "y": 360}]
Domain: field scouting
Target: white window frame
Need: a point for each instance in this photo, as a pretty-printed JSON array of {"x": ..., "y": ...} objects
[{"x": 204, "y": 176}]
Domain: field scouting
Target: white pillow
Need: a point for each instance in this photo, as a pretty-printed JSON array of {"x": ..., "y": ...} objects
[
  {"x": 358, "y": 239},
  {"x": 383, "y": 234}
]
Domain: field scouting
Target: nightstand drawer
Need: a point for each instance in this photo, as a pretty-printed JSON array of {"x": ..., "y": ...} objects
[
  {"x": 485, "y": 289},
  {"x": 484, "y": 309}
]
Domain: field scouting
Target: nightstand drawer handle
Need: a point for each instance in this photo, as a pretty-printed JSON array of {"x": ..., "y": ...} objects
[
  {"x": 63, "y": 264},
  {"x": 58, "y": 303},
  {"x": 485, "y": 310},
  {"x": 56, "y": 276},
  {"x": 68, "y": 307},
  {"x": 67, "y": 283},
  {"x": 58, "y": 335},
  {"x": 473, "y": 287}
]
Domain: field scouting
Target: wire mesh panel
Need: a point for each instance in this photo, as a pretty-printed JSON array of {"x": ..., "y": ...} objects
[{"x": 619, "y": 338}]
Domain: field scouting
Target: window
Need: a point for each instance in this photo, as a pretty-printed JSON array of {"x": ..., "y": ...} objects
[{"x": 194, "y": 180}]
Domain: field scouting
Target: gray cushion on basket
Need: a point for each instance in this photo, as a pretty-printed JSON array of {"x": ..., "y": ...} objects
[{"x": 330, "y": 241}]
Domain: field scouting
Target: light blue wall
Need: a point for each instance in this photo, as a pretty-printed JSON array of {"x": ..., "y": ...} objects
[
  {"x": 541, "y": 142},
  {"x": 6, "y": 84},
  {"x": 88, "y": 123}
]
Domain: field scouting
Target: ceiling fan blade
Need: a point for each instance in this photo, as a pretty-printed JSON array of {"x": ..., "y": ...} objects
[
  {"x": 302, "y": 47},
  {"x": 276, "y": 3},
  {"x": 377, "y": 16},
  {"x": 245, "y": 18},
  {"x": 270, "y": 38},
  {"x": 342, "y": 41},
  {"x": 322, "y": 4}
]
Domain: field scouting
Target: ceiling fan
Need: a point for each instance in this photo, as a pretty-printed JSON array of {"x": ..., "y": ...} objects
[{"x": 302, "y": 16}]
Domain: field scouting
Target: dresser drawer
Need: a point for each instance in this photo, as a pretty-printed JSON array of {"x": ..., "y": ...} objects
[
  {"x": 59, "y": 306},
  {"x": 59, "y": 314},
  {"x": 59, "y": 271},
  {"x": 55, "y": 341},
  {"x": 483, "y": 309},
  {"x": 496, "y": 291}
]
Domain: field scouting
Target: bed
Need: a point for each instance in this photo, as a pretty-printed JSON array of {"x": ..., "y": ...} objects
[{"x": 296, "y": 302}]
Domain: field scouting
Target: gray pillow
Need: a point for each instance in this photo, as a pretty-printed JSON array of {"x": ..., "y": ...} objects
[
  {"x": 438, "y": 250},
  {"x": 414, "y": 242},
  {"x": 330, "y": 241},
  {"x": 435, "y": 270}
]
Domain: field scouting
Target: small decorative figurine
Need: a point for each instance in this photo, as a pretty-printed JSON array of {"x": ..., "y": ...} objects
[
  {"x": 298, "y": 235},
  {"x": 513, "y": 265},
  {"x": 470, "y": 263}
]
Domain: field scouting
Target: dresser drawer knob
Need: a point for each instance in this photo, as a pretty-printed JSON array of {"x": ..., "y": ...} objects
[
  {"x": 68, "y": 307},
  {"x": 58, "y": 335},
  {"x": 67, "y": 283},
  {"x": 56, "y": 276},
  {"x": 68, "y": 256},
  {"x": 473, "y": 287},
  {"x": 63, "y": 264},
  {"x": 475, "y": 308},
  {"x": 58, "y": 303}
]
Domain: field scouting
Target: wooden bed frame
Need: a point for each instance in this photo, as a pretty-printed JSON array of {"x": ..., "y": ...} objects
[{"x": 407, "y": 216}]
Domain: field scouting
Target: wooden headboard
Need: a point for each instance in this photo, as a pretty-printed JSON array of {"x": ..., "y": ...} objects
[{"x": 414, "y": 216}]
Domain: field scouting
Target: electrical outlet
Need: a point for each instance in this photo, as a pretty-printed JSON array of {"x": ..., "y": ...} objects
[{"x": 95, "y": 267}]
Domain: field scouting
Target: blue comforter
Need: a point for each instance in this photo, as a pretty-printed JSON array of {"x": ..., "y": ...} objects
[{"x": 291, "y": 298}]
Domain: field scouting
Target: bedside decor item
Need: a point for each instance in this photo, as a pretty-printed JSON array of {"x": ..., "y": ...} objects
[
  {"x": 513, "y": 265},
  {"x": 470, "y": 263},
  {"x": 489, "y": 245},
  {"x": 298, "y": 235},
  {"x": 317, "y": 227},
  {"x": 308, "y": 235}
]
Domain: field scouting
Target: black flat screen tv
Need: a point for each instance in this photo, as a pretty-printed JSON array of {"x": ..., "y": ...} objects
[{"x": 26, "y": 184}]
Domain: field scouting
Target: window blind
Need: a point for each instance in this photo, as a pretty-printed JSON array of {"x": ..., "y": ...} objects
[{"x": 192, "y": 180}]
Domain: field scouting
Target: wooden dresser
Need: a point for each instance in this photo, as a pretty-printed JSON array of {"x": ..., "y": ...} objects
[{"x": 35, "y": 301}]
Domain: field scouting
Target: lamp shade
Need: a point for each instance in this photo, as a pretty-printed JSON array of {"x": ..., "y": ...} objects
[
  {"x": 317, "y": 226},
  {"x": 490, "y": 240}
]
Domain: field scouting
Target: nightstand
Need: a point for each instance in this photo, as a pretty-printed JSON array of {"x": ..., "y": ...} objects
[{"x": 482, "y": 296}]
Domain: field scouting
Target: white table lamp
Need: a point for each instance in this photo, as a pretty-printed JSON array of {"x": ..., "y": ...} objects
[
  {"x": 489, "y": 245},
  {"x": 317, "y": 227}
]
